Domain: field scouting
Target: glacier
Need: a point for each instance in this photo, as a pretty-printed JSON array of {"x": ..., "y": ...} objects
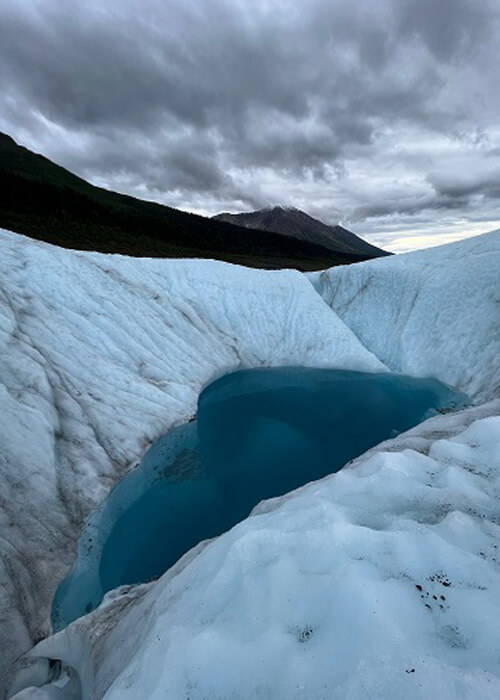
[{"x": 317, "y": 593}]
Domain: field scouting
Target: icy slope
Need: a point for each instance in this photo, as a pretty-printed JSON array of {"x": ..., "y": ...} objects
[
  {"x": 432, "y": 312},
  {"x": 382, "y": 581},
  {"x": 100, "y": 355}
]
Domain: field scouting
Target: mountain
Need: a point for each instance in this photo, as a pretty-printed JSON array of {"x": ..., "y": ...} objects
[
  {"x": 299, "y": 225},
  {"x": 45, "y": 201}
]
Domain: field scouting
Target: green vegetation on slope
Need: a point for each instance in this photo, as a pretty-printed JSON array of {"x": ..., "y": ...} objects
[{"x": 44, "y": 201}]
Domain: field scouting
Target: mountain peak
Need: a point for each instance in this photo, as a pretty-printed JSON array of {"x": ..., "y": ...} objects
[{"x": 295, "y": 223}]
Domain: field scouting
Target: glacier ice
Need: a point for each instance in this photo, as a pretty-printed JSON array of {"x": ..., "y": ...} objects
[
  {"x": 314, "y": 595},
  {"x": 433, "y": 312},
  {"x": 102, "y": 354}
]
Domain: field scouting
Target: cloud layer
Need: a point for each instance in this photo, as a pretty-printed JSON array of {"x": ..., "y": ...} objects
[{"x": 382, "y": 115}]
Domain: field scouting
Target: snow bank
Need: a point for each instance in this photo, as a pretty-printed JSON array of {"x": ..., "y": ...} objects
[
  {"x": 99, "y": 356},
  {"x": 434, "y": 312}
]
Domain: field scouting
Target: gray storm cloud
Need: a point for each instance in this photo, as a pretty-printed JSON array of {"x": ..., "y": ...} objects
[{"x": 365, "y": 112}]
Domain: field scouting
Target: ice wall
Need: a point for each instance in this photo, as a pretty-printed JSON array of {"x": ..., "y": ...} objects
[{"x": 434, "y": 312}]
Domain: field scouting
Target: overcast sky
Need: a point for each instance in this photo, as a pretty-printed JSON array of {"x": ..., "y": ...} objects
[{"x": 383, "y": 115}]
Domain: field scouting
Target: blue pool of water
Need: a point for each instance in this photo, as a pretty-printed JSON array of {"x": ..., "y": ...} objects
[{"x": 259, "y": 433}]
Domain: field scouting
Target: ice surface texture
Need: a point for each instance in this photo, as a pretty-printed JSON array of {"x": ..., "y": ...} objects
[{"x": 433, "y": 312}]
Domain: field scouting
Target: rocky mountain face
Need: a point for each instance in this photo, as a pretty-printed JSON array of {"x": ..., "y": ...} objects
[{"x": 297, "y": 224}]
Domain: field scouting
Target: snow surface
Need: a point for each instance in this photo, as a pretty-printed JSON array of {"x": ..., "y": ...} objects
[{"x": 101, "y": 354}]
